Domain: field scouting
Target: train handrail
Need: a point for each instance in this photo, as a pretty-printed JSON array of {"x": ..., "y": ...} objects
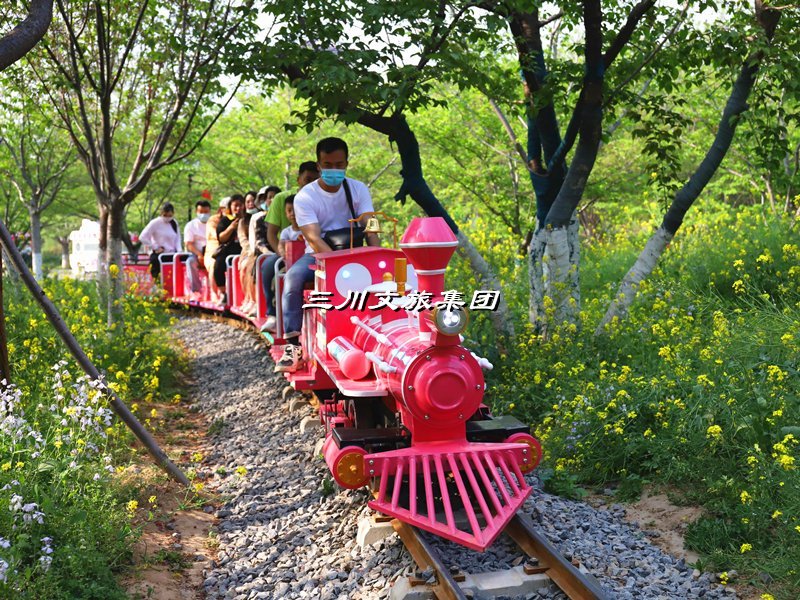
[
  {"x": 179, "y": 288},
  {"x": 278, "y": 279},
  {"x": 260, "y": 313},
  {"x": 231, "y": 263}
]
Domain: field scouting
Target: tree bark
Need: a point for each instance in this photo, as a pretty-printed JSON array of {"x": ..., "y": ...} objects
[
  {"x": 686, "y": 196},
  {"x": 5, "y": 369},
  {"x": 36, "y": 242},
  {"x": 87, "y": 365},
  {"x": 64, "y": 242},
  {"x": 102, "y": 246},
  {"x": 116, "y": 216},
  {"x": 19, "y": 41}
]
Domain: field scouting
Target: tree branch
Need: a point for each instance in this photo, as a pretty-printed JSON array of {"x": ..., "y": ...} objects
[{"x": 20, "y": 40}]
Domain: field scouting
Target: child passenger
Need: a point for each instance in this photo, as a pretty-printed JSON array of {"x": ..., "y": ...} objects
[
  {"x": 287, "y": 234},
  {"x": 292, "y": 232}
]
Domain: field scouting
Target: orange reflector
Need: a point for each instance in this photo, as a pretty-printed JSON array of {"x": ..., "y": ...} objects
[
  {"x": 530, "y": 458},
  {"x": 349, "y": 469}
]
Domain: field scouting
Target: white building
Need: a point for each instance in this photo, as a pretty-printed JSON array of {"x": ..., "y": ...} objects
[{"x": 84, "y": 246}]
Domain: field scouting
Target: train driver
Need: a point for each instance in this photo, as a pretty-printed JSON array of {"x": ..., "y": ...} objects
[{"x": 320, "y": 207}]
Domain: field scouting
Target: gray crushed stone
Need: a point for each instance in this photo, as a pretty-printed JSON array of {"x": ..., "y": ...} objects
[{"x": 283, "y": 535}]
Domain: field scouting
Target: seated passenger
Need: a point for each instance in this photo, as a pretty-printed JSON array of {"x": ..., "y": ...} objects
[
  {"x": 321, "y": 207},
  {"x": 276, "y": 223},
  {"x": 212, "y": 244},
  {"x": 258, "y": 224},
  {"x": 247, "y": 257},
  {"x": 289, "y": 234},
  {"x": 194, "y": 237},
  {"x": 161, "y": 235},
  {"x": 227, "y": 230}
]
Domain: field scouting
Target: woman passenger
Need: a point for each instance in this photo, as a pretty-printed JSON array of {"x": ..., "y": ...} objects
[
  {"x": 212, "y": 243},
  {"x": 227, "y": 230},
  {"x": 247, "y": 258}
]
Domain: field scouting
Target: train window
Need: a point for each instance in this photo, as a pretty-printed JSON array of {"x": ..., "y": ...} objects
[{"x": 352, "y": 276}]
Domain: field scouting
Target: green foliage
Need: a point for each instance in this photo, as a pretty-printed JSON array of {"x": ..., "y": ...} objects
[
  {"x": 697, "y": 388},
  {"x": 65, "y": 524}
]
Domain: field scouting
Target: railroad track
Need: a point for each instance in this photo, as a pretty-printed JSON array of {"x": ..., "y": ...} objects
[{"x": 543, "y": 559}]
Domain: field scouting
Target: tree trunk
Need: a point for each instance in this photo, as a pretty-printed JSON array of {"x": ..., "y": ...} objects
[
  {"x": 536, "y": 280},
  {"x": 102, "y": 265},
  {"x": 414, "y": 185},
  {"x": 36, "y": 243},
  {"x": 640, "y": 270},
  {"x": 114, "y": 261},
  {"x": 686, "y": 196},
  {"x": 64, "y": 242}
]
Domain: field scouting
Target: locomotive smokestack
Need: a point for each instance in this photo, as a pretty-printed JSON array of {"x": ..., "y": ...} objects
[{"x": 429, "y": 244}]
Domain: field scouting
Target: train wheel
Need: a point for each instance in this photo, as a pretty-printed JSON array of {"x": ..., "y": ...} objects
[{"x": 360, "y": 412}]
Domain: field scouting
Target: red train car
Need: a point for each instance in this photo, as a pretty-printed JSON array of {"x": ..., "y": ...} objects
[{"x": 401, "y": 398}]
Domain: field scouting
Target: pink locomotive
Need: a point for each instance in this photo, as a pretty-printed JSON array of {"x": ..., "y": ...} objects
[{"x": 400, "y": 397}]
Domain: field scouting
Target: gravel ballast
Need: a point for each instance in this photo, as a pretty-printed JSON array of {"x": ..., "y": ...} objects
[{"x": 283, "y": 533}]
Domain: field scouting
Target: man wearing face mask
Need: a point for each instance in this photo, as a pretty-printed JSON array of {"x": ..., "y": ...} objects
[
  {"x": 194, "y": 237},
  {"x": 322, "y": 209},
  {"x": 161, "y": 235}
]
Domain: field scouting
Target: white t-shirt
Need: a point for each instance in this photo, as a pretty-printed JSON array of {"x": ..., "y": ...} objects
[
  {"x": 159, "y": 234},
  {"x": 312, "y": 204},
  {"x": 292, "y": 235},
  {"x": 288, "y": 234},
  {"x": 195, "y": 232}
]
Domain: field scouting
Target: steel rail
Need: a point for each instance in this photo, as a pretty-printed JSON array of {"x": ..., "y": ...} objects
[
  {"x": 576, "y": 585},
  {"x": 446, "y": 587}
]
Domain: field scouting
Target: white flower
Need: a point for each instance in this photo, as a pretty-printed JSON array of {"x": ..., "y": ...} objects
[{"x": 4, "y": 543}]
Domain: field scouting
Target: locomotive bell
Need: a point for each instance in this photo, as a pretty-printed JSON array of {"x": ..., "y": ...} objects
[{"x": 373, "y": 226}]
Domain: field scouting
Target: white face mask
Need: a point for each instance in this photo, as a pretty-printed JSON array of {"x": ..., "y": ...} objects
[
  {"x": 166, "y": 219},
  {"x": 204, "y": 217}
]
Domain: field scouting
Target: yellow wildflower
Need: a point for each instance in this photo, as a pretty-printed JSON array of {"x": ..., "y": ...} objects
[
  {"x": 745, "y": 497},
  {"x": 714, "y": 432},
  {"x": 745, "y": 548}
]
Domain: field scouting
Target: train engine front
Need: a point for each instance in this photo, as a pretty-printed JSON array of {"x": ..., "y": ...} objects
[{"x": 407, "y": 414}]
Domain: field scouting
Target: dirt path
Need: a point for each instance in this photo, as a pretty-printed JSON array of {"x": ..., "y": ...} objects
[{"x": 177, "y": 543}]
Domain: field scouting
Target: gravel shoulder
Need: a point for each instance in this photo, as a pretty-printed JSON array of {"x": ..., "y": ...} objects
[{"x": 284, "y": 534}]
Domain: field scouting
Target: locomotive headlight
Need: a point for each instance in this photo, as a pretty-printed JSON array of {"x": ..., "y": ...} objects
[{"x": 450, "y": 321}]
